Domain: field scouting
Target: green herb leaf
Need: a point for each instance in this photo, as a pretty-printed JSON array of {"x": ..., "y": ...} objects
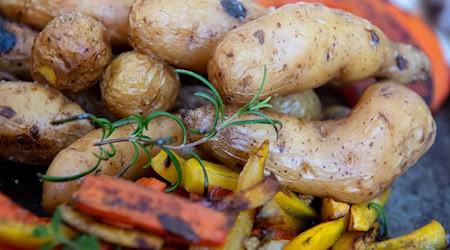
[
  {"x": 41, "y": 231},
  {"x": 177, "y": 165},
  {"x": 205, "y": 174},
  {"x": 87, "y": 242},
  {"x": 382, "y": 219}
]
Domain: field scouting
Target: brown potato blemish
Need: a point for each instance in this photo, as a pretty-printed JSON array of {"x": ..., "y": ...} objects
[
  {"x": 7, "y": 112},
  {"x": 260, "y": 35}
]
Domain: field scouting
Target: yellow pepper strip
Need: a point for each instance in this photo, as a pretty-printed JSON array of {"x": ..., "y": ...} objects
[
  {"x": 322, "y": 236},
  {"x": 362, "y": 217},
  {"x": 163, "y": 166},
  {"x": 218, "y": 175},
  {"x": 21, "y": 235},
  {"x": 272, "y": 215},
  {"x": 332, "y": 210},
  {"x": 431, "y": 236},
  {"x": 357, "y": 240},
  {"x": 251, "y": 174},
  {"x": 290, "y": 202}
]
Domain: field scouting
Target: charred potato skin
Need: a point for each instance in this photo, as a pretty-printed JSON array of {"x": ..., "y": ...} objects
[
  {"x": 79, "y": 157},
  {"x": 350, "y": 159},
  {"x": 16, "y": 61},
  {"x": 71, "y": 53},
  {"x": 37, "y": 13},
  {"x": 184, "y": 33},
  {"x": 136, "y": 83},
  {"x": 303, "y": 47},
  {"x": 26, "y": 112}
]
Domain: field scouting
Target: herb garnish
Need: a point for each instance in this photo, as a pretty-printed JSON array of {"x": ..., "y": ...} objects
[
  {"x": 141, "y": 141},
  {"x": 58, "y": 238},
  {"x": 382, "y": 219}
]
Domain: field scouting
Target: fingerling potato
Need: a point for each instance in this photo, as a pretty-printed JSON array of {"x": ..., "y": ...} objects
[
  {"x": 136, "y": 83},
  {"x": 26, "y": 112},
  {"x": 350, "y": 159},
  {"x": 305, "y": 46},
  {"x": 70, "y": 53},
  {"x": 15, "y": 49},
  {"x": 305, "y": 104},
  {"x": 184, "y": 33}
]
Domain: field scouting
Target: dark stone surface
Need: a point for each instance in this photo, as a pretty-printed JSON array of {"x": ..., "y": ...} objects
[{"x": 419, "y": 196}]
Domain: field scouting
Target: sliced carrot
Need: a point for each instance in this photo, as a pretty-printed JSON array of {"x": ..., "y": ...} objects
[
  {"x": 152, "y": 183},
  {"x": 282, "y": 234},
  {"x": 158, "y": 212},
  {"x": 10, "y": 211}
]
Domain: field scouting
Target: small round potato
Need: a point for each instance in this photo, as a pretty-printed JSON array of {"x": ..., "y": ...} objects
[
  {"x": 184, "y": 33},
  {"x": 136, "y": 83},
  {"x": 26, "y": 112},
  {"x": 16, "y": 41},
  {"x": 305, "y": 105},
  {"x": 71, "y": 52}
]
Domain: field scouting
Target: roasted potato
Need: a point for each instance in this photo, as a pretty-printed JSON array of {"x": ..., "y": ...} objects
[
  {"x": 37, "y": 13},
  {"x": 136, "y": 83},
  {"x": 350, "y": 159},
  {"x": 79, "y": 157},
  {"x": 184, "y": 33},
  {"x": 15, "y": 49},
  {"x": 304, "y": 105},
  {"x": 305, "y": 46},
  {"x": 26, "y": 112},
  {"x": 71, "y": 52}
]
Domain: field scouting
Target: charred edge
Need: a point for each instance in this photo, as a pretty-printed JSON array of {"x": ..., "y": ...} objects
[
  {"x": 7, "y": 112},
  {"x": 375, "y": 38},
  {"x": 167, "y": 162},
  {"x": 259, "y": 34},
  {"x": 402, "y": 63},
  {"x": 7, "y": 39},
  {"x": 178, "y": 226},
  {"x": 144, "y": 244},
  {"x": 34, "y": 131},
  {"x": 234, "y": 8}
]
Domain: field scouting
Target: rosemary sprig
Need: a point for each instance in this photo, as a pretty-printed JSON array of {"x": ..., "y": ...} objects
[
  {"x": 145, "y": 143},
  {"x": 382, "y": 219}
]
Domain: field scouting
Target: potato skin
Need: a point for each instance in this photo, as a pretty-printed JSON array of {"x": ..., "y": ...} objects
[
  {"x": 70, "y": 53},
  {"x": 184, "y": 33},
  {"x": 350, "y": 159},
  {"x": 16, "y": 61},
  {"x": 305, "y": 46},
  {"x": 305, "y": 105},
  {"x": 79, "y": 157},
  {"x": 26, "y": 112},
  {"x": 136, "y": 83},
  {"x": 37, "y": 13}
]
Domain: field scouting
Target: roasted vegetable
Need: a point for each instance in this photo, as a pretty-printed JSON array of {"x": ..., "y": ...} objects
[
  {"x": 350, "y": 159},
  {"x": 362, "y": 216},
  {"x": 26, "y": 113},
  {"x": 79, "y": 157},
  {"x": 305, "y": 46},
  {"x": 136, "y": 83},
  {"x": 252, "y": 173},
  {"x": 322, "y": 236},
  {"x": 152, "y": 183},
  {"x": 184, "y": 34},
  {"x": 15, "y": 49},
  {"x": 218, "y": 175},
  {"x": 130, "y": 204},
  {"x": 37, "y": 13},
  {"x": 70, "y": 53},
  {"x": 120, "y": 236},
  {"x": 357, "y": 240},
  {"x": 332, "y": 210},
  {"x": 304, "y": 105},
  {"x": 164, "y": 167},
  {"x": 430, "y": 236}
]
